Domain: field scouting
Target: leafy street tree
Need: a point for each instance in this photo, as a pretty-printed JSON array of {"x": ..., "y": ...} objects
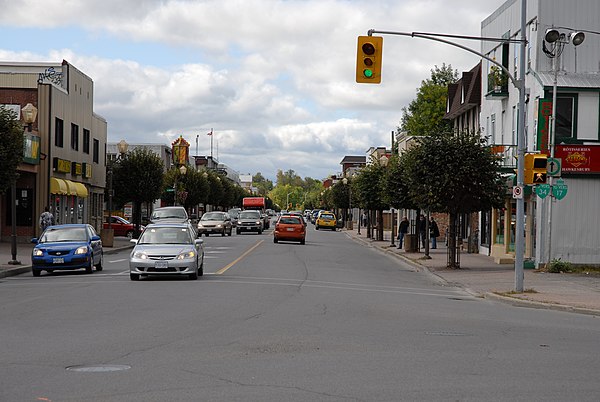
[
  {"x": 368, "y": 190},
  {"x": 138, "y": 177},
  {"x": 11, "y": 148},
  {"x": 262, "y": 184},
  {"x": 424, "y": 115},
  {"x": 340, "y": 193},
  {"x": 453, "y": 173},
  {"x": 193, "y": 184}
]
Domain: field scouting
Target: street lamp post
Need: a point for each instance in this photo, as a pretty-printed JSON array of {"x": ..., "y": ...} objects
[
  {"x": 558, "y": 40},
  {"x": 29, "y": 113},
  {"x": 108, "y": 235}
]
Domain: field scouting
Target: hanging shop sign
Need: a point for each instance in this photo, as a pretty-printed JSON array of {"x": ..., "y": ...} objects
[{"x": 579, "y": 159}]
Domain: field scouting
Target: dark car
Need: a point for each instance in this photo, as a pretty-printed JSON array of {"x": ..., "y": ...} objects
[
  {"x": 67, "y": 247},
  {"x": 249, "y": 221}
]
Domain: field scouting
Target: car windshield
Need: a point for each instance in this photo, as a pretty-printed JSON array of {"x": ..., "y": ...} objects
[
  {"x": 64, "y": 234},
  {"x": 169, "y": 213},
  {"x": 213, "y": 216},
  {"x": 249, "y": 215},
  {"x": 166, "y": 235}
]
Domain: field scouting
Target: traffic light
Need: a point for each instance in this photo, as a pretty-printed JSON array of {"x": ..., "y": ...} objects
[
  {"x": 368, "y": 59},
  {"x": 535, "y": 168}
]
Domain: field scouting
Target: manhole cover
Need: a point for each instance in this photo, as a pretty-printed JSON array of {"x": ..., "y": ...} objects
[{"x": 99, "y": 368}]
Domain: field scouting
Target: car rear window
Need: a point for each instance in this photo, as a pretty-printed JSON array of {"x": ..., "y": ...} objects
[
  {"x": 213, "y": 216},
  {"x": 289, "y": 220},
  {"x": 326, "y": 216}
]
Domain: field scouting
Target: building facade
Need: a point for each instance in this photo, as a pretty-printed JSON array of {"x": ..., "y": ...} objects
[
  {"x": 555, "y": 228},
  {"x": 68, "y": 175}
]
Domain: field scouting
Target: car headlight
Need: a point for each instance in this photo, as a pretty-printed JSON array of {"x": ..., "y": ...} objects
[
  {"x": 239, "y": 222},
  {"x": 220, "y": 225},
  {"x": 37, "y": 252},
  {"x": 82, "y": 250},
  {"x": 200, "y": 226},
  {"x": 258, "y": 222},
  {"x": 140, "y": 255},
  {"x": 186, "y": 255}
]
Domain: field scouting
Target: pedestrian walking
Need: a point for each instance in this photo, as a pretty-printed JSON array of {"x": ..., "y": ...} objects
[
  {"x": 402, "y": 230},
  {"x": 422, "y": 226},
  {"x": 46, "y": 219},
  {"x": 434, "y": 232},
  {"x": 364, "y": 219}
]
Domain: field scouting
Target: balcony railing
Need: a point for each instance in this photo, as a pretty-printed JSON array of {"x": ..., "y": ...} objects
[
  {"x": 507, "y": 155},
  {"x": 497, "y": 85}
]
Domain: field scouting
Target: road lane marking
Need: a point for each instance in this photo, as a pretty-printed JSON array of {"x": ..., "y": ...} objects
[
  {"x": 121, "y": 260},
  {"x": 226, "y": 267}
]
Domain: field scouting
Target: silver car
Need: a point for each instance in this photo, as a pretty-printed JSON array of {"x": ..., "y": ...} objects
[
  {"x": 167, "y": 249},
  {"x": 215, "y": 222}
]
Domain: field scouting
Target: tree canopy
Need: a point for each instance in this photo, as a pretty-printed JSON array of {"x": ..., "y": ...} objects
[{"x": 11, "y": 147}]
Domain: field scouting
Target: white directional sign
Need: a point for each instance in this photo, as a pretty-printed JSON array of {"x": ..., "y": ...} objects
[{"x": 553, "y": 166}]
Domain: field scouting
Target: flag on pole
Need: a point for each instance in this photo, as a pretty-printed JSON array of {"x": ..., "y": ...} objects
[{"x": 210, "y": 132}]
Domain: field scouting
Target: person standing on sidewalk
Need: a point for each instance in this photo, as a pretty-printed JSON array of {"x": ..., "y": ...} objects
[
  {"x": 402, "y": 230},
  {"x": 46, "y": 219},
  {"x": 434, "y": 232}
]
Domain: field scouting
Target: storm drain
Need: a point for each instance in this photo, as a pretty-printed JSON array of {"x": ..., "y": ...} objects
[{"x": 99, "y": 368}]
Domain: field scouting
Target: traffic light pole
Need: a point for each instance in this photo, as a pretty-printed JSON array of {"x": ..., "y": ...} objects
[{"x": 520, "y": 86}]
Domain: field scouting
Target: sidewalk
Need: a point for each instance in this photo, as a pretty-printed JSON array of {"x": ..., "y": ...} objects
[
  {"x": 24, "y": 255},
  {"x": 480, "y": 276}
]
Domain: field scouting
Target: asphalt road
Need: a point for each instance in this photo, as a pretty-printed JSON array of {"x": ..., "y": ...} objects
[{"x": 328, "y": 321}]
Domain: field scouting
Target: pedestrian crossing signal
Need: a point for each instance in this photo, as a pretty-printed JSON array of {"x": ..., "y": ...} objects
[{"x": 535, "y": 168}]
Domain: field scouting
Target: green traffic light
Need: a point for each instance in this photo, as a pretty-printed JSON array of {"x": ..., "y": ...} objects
[{"x": 368, "y": 73}]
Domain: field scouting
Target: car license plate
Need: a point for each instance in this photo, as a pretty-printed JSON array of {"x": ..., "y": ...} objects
[
  {"x": 58, "y": 261},
  {"x": 290, "y": 229},
  {"x": 161, "y": 264}
]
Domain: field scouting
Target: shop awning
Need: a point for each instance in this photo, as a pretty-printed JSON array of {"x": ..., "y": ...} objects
[
  {"x": 58, "y": 186},
  {"x": 72, "y": 189},
  {"x": 81, "y": 190}
]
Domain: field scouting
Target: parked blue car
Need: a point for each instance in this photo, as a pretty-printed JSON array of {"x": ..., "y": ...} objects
[{"x": 67, "y": 247}]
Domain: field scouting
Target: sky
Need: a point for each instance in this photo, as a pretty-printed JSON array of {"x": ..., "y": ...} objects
[{"x": 273, "y": 79}]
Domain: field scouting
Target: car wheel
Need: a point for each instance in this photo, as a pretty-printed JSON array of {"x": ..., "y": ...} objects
[
  {"x": 303, "y": 241},
  {"x": 201, "y": 269},
  {"x": 100, "y": 266},
  {"x": 36, "y": 272},
  {"x": 259, "y": 231},
  {"x": 134, "y": 277},
  {"x": 90, "y": 267},
  {"x": 193, "y": 276},
  {"x": 129, "y": 234},
  {"x": 275, "y": 239},
  {"x": 238, "y": 232},
  {"x": 230, "y": 232},
  {"x": 316, "y": 227},
  {"x": 223, "y": 234}
]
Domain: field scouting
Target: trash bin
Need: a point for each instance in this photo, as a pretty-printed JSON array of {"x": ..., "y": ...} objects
[
  {"x": 107, "y": 236},
  {"x": 410, "y": 243}
]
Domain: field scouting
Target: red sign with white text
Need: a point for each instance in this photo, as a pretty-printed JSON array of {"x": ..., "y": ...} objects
[{"x": 579, "y": 159}]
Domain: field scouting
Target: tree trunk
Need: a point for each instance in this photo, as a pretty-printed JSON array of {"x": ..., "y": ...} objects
[
  {"x": 452, "y": 257},
  {"x": 380, "y": 225}
]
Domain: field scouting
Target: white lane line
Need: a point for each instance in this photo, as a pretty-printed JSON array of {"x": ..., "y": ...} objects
[{"x": 121, "y": 260}]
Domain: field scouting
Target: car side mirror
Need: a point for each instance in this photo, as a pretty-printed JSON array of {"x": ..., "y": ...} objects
[
  {"x": 34, "y": 240},
  {"x": 95, "y": 238},
  {"x": 198, "y": 242},
  {"x": 134, "y": 241}
]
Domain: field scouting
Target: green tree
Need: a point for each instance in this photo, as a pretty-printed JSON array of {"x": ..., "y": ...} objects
[
  {"x": 368, "y": 188},
  {"x": 11, "y": 148},
  {"x": 453, "y": 173},
  {"x": 424, "y": 115},
  {"x": 193, "y": 184},
  {"x": 263, "y": 184},
  {"x": 137, "y": 177}
]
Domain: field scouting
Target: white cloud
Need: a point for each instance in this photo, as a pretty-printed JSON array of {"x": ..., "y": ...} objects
[{"x": 274, "y": 79}]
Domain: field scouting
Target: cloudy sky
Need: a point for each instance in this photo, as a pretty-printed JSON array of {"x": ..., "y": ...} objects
[{"x": 273, "y": 79}]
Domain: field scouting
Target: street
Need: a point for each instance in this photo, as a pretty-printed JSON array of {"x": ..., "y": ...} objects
[{"x": 331, "y": 320}]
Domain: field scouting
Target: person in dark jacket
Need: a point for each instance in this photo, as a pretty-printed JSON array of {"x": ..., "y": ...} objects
[
  {"x": 402, "y": 230},
  {"x": 434, "y": 232}
]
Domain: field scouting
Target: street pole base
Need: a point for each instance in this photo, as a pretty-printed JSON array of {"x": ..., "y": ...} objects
[{"x": 14, "y": 262}]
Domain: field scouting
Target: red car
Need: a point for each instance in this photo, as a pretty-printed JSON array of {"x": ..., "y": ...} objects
[
  {"x": 121, "y": 226},
  {"x": 290, "y": 227}
]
